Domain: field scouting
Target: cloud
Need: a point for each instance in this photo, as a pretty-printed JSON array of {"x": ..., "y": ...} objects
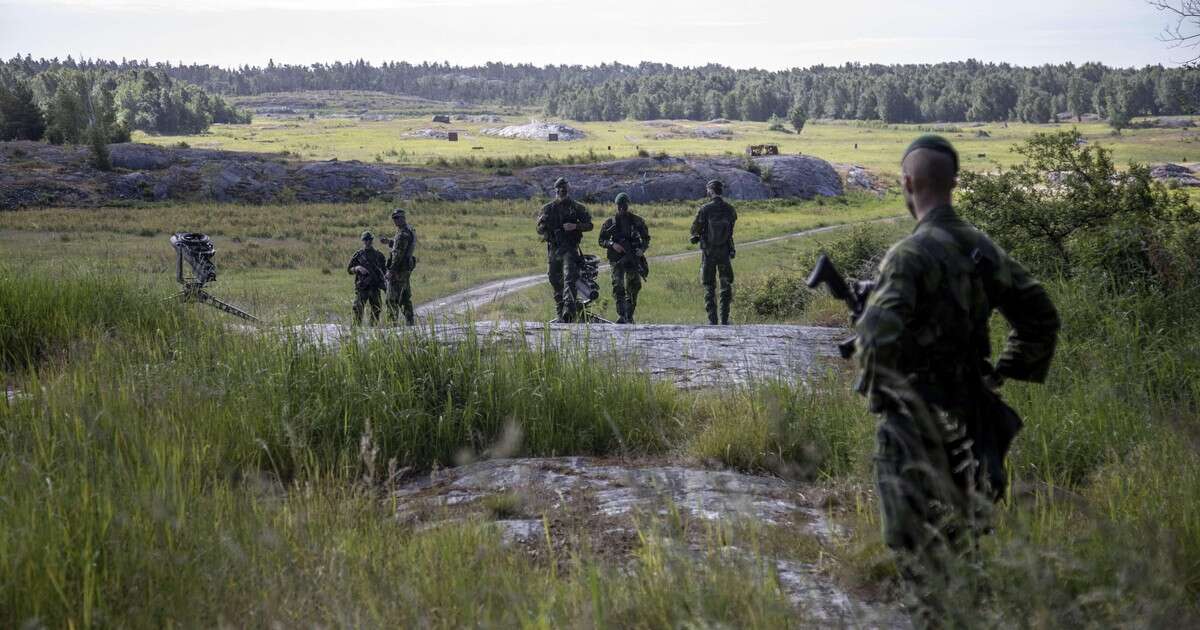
[{"x": 207, "y": 6}]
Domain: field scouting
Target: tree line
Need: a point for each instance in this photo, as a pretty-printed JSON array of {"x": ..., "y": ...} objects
[
  {"x": 78, "y": 104},
  {"x": 914, "y": 93}
]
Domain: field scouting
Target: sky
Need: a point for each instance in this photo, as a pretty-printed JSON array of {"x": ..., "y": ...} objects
[{"x": 769, "y": 34}]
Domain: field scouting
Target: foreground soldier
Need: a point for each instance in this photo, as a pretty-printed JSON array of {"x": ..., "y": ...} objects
[
  {"x": 713, "y": 229},
  {"x": 367, "y": 266},
  {"x": 923, "y": 355},
  {"x": 626, "y": 238},
  {"x": 400, "y": 265},
  {"x": 561, "y": 224}
]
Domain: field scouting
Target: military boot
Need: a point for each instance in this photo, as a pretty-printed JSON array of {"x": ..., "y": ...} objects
[
  {"x": 622, "y": 309},
  {"x": 724, "y": 314},
  {"x": 712, "y": 315}
]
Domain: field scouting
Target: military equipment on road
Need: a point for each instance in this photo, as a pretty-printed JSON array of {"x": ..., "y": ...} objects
[
  {"x": 854, "y": 295},
  {"x": 197, "y": 251}
]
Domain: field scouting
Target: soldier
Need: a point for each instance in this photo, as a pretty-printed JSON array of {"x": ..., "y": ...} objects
[
  {"x": 626, "y": 238},
  {"x": 561, "y": 224},
  {"x": 400, "y": 265},
  {"x": 923, "y": 355},
  {"x": 367, "y": 266},
  {"x": 713, "y": 229}
]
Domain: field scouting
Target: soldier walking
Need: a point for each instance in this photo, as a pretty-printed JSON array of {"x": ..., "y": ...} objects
[
  {"x": 626, "y": 238},
  {"x": 367, "y": 266},
  {"x": 561, "y": 224},
  {"x": 713, "y": 230},
  {"x": 400, "y": 265},
  {"x": 924, "y": 361}
]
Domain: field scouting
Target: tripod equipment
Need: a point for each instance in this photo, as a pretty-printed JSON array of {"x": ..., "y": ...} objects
[
  {"x": 587, "y": 290},
  {"x": 197, "y": 250}
]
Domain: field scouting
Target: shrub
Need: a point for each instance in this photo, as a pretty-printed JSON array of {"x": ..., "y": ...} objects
[{"x": 1067, "y": 207}]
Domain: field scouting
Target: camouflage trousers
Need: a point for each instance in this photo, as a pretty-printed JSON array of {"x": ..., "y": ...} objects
[
  {"x": 363, "y": 297},
  {"x": 563, "y": 272},
  {"x": 399, "y": 297},
  {"x": 931, "y": 513},
  {"x": 712, "y": 266},
  {"x": 626, "y": 284}
]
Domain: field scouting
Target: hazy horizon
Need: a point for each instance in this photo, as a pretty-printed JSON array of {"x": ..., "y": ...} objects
[{"x": 775, "y": 35}]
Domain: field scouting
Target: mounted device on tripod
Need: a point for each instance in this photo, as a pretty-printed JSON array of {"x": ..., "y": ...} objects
[
  {"x": 197, "y": 250},
  {"x": 587, "y": 290}
]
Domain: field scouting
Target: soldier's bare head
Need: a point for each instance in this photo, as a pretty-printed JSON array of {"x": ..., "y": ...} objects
[{"x": 929, "y": 173}]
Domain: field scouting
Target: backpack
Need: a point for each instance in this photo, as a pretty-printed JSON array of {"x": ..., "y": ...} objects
[{"x": 719, "y": 231}]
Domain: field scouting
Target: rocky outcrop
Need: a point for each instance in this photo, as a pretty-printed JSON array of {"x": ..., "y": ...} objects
[
  {"x": 550, "y": 500},
  {"x": 1175, "y": 174},
  {"x": 35, "y": 174}
]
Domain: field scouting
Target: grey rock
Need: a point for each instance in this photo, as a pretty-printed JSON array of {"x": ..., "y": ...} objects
[
  {"x": 1176, "y": 173},
  {"x": 140, "y": 157}
]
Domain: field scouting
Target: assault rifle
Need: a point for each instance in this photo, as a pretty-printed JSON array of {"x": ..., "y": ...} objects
[
  {"x": 854, "y": 295},
  {"x": 634, "y": 257}
]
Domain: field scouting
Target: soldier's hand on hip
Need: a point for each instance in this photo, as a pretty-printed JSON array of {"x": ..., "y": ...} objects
[
  {"x": 360, "y": 270},
  {"x": 570, "y": 227},
  {"x": 694, "y": 240}
]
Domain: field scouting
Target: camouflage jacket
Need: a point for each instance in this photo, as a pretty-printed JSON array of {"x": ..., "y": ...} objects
[
  {"x": 714, "y": 226},
  {"x": 552, "y": 218},
  {"x": 624, "y": 230},
  {"x": 403, "y": 246},
  {"x": 374, "y": 262},
  {"x": 926, "y": 322}
]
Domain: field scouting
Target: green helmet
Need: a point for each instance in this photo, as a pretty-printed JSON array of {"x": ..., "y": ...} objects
[
  {"x": 368, "y": 236},
  {"x": 560, "y": 182},
  {"x": 716, "y": 186},
  {"x": 398, "y": 213},
  {"x": 621, "y": 198}
]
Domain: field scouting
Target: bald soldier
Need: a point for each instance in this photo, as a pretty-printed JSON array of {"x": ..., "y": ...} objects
[
  {"x": 561, "y": 223},
  {"x": 924, "y": 360}
]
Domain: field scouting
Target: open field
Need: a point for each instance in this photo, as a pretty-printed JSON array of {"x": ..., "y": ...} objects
[
  {"x": 878, "y": 146},
  {"x": 289, "y": 261}
]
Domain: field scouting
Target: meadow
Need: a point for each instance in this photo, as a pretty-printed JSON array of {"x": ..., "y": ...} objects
[
  {"x": 288, "y": 262},
  {"x": 157, "y": 469},
  {"x": 872, "y": 145}
]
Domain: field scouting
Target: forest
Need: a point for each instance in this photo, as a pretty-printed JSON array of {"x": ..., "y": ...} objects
[{"x": 944, "y": 92}]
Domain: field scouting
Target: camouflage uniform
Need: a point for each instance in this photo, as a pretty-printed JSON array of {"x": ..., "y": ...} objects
[
  {"x": 367, "y": 286},
  {"x": 627, "y": 268},
  {"x": 713, "y": 229},
  {"x": 562, "y": 250},
  {"x": 923, "y": 354},
  {"x": 400, "y": 266}
]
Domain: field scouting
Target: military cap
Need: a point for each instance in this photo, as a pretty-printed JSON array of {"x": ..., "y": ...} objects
[
  {"x": 621, "y": 198},
  {"x": 933, "y": 142},
  {"x": 398, "y": 212},
  {"x": 716, "y": 185},
  {"x": 560, "y": 182},
  {"x": 368, "y": 236}
]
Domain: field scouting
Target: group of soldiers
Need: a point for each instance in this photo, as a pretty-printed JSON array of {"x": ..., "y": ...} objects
[
  {"x": 374, "y": 273},
  {"x": 561, "y": 225},
  {"x": 626, "y": 238},
  {"x": 922, "y": 349}
]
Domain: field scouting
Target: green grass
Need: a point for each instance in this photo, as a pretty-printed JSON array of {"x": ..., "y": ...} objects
[
  {"x": 167, "y": 472},
  {"x": 288, "y": 261},
  {"x": 878, "y": 146}
]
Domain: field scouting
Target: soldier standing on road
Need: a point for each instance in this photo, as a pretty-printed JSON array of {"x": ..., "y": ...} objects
[
  {"x": 367, "y": 266},
  {"x": 626, "y": 238},
  {"x": 713, "y": 230},
  {"x": 400, "y": 265},
  {"x": 561, "y": 224},
  {"x": 923, "y": 355}
]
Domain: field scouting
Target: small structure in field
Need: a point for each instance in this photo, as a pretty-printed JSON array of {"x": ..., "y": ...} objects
[
  {"x": 441, "y": 118},
  {"x": 553, "y": 137},
  {"x": 756, "y": 150},
  {"x": 452, "y": 136}
]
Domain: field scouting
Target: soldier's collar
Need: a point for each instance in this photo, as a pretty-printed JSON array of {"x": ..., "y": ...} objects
[{"x": 937, "y": 214}]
